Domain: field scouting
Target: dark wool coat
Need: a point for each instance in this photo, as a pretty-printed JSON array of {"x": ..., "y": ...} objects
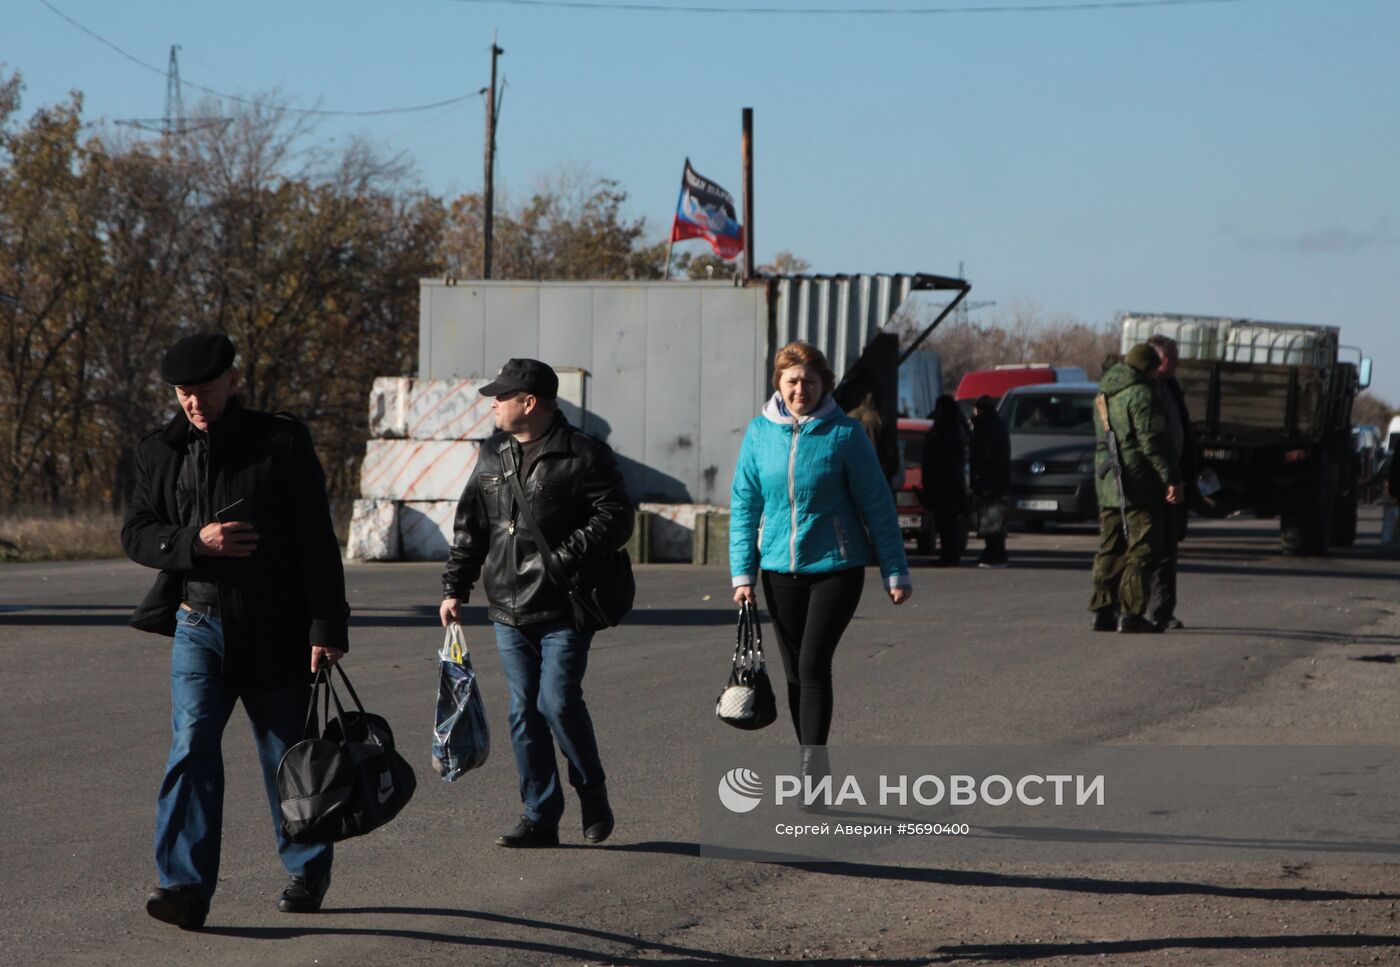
[
  {"x": 990, "y": 456},
  {"x": 290, "y": 593},
  {"x": 945, "y": 468}
]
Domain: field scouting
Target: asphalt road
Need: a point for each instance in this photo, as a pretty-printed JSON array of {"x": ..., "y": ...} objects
[{"x": 975, "y": 657}]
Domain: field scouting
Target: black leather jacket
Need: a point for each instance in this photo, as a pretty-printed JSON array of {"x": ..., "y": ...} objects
[{"x": 579, "y": 501}]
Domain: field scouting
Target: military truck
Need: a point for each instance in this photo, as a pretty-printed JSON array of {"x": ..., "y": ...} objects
[{"x": 1271, "y": 406}]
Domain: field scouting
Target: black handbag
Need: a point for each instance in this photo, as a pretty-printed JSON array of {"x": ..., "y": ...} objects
[
  {"x": 603, "y": 602},
  {"x": 747, "y": 702},
  {"x": 347, "y": 781}
]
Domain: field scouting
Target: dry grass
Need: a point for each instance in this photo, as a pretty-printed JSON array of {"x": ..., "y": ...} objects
[{"x": 42, "y": 535}]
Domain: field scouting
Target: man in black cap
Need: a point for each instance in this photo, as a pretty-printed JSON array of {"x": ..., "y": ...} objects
[
  {"x": 230, "y": 505},
  {"x": 572, "y": 486}
]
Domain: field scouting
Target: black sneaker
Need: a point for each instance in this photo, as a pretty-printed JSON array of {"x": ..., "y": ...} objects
[
  {"x": 1136, "y": 624},
  {"x": 177, "y": 905},
  {"x": 1105, "y": 620},
  {"x": 303, "y": 895},
  {"x": 529, "y": 834},
  {"x": 597, "y": 821},
  {"x": 1172, "y": 624}
]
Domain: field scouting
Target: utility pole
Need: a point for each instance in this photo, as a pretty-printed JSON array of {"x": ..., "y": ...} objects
[
  {"x": 748, "y": 193},
  {"x": 174, "y": 103},
  {"x": 492, "y": 107}
]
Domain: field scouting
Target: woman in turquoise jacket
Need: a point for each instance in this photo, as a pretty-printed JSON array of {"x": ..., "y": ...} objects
[{"x": 810, "y": 508}]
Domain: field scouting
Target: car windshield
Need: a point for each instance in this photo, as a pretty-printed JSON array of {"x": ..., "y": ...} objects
[{"x": 1058, "y": 413}]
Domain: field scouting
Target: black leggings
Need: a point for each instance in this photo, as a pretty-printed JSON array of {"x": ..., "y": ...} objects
[{"x": 810, "y": 612}]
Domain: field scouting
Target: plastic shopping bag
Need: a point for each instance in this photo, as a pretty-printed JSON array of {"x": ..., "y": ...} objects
[{"x": 461, "y": 738}]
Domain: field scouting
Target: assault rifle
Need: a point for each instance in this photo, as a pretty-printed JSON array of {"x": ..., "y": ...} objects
[{"x": 1114, "y": 462}]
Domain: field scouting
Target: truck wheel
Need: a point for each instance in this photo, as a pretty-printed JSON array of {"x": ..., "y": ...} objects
[{"x": 1306, "y": 522}]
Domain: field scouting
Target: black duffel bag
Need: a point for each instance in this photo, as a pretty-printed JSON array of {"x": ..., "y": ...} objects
[{"x": 347, "y": 781}]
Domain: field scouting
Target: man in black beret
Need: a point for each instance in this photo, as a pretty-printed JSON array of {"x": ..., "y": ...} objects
[
  {"x": 574, "y": 492},
  {"x": 230, "y": 505}
]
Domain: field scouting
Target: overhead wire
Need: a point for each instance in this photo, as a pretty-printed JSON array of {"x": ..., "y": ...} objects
[
  {"x": 642, "y": 6},
  {"x": 310, "y": 112}
]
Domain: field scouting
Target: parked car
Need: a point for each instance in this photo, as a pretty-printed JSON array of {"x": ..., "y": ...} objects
[
  {"x": 997, "y": 381},
  {"x": 1052, "y": 452},
  {"x": 1366, "y": 440},
  {"x": 915, "y": 522}
]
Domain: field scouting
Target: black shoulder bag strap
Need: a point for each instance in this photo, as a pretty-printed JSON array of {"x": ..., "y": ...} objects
[{"x": 551, "y": 563}]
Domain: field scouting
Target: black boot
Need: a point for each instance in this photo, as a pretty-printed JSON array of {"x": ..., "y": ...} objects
[
  {"x": 597, "y": 819},
  {"x": 1105, "y": 619},
  {"x": 1136, "y": 624},
  {"x": 529, "y": 834}
]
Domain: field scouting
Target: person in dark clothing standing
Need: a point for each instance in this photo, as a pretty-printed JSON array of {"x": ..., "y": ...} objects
[
  {"x": 575, "y": 491},
  {"x": 1161, "y": 583},
  {"x": 230, "y": 504},
  {"x": 990, "y": 465},
  {"x": 945, "y": 479}
]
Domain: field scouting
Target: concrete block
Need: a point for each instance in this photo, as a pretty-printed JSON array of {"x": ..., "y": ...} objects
[
  {"x": 448, "y": 409},
  {"x": 429, "y": 409},
  {"x": 388, "y": 407},
  {"x": 374, "y": 531},
  {"x": 710, "y": 540},
  {"x": 417, "y": 469},
  {"x": 425, "y": 529},
  {"x": 672, "y": 530}
]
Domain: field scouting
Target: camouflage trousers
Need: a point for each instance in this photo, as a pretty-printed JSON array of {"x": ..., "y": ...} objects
[{"x": 1123, "y": 565}]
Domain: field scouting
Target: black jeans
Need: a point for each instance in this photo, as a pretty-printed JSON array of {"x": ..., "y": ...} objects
[{"x": 810, "y": 612}]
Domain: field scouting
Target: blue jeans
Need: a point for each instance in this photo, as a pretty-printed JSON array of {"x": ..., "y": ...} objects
[
  {"x": 189, "y": 808},
  {"x": 544, "y": 665}
]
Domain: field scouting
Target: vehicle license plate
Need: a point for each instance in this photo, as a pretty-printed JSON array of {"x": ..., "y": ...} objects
[
  {"x": 1037, "y": 505},
  {"x": 908, "y": 521}
]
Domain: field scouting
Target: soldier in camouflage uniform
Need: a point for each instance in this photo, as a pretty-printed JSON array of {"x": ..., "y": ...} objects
[{"x": 1150, "y": 479}]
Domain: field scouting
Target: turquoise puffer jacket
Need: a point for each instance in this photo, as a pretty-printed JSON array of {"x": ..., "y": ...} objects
[{"x": 815, "y": 491}]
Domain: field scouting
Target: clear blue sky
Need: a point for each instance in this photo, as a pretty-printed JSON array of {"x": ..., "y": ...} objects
[{"x": 1238, "y": 158}]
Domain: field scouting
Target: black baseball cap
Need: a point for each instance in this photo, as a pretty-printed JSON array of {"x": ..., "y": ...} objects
[
  {"x": 197, "y": 359},
  {"x": 526, "y": 376}
]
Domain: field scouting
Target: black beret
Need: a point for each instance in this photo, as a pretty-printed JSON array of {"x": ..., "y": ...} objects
[
  {"x": 524, "y": 375},
  {"x": 197, "y": 359}
]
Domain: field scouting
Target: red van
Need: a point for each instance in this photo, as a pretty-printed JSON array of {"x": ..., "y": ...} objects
[
  {"x": 915, "y": 522},
  {"x": 995, "y": 382}
]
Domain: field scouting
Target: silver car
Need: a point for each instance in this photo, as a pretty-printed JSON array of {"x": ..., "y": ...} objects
[{"x": 1052, "y": 452}]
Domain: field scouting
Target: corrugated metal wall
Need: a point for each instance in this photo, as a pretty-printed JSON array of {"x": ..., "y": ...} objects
[{"x": 838, "y": 315}]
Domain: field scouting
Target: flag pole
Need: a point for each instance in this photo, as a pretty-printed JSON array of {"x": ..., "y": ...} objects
[
  {"x": 748, "y": 193},
  {"x": 669, "y": 245}
]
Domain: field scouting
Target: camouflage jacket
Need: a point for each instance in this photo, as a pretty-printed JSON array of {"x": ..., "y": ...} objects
[{"x": 1139, "y": 418}]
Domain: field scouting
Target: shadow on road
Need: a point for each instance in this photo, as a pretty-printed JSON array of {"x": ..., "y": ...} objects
[
  {"x": 660, "y": 953},
  {"x": 1027, "y": 881},
  {"x": 1094, "y": 948}
]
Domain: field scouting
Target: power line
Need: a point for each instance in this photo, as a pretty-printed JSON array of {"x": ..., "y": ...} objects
[
  {"x": 1068, "y": 6},
  {"x": 252, "y": 101}
]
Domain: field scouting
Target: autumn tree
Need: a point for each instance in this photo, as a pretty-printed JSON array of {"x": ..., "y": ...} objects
[
  {"x": 573, "y": 226},
  {"x": 47, "y": 245}
]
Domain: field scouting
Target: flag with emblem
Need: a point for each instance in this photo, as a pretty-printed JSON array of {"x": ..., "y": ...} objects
[{"x": 706, "y": 210}]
